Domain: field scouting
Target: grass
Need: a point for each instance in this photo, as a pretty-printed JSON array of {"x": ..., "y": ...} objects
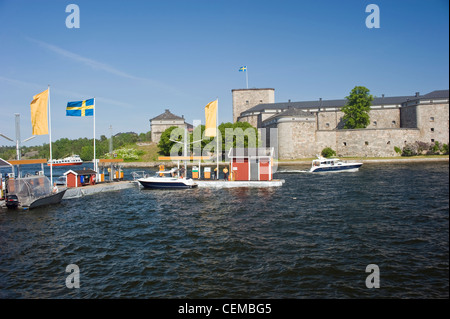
[
  {"x": 367, "y": 158},
  {"x": 151, "y": 152}
]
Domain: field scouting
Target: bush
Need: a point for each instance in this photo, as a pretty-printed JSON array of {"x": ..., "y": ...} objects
[
  {"x": 436, "y": 148},
  {"x": 409, "y": 150},
  {"x": 328, "y": 152},
  {"x": 129, "y": 154},
  {"x": 445, "y": 149},
  {"x": 398, "y": 150}
]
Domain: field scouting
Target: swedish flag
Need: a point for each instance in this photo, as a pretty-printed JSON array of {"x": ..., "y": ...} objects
[
  {"x": 80, "y": 108},
  {"x": 242, "y": 69}
]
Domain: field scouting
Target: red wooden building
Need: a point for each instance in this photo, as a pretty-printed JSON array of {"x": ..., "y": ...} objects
[
  {"x": 251, "y": 164},
  {"x": 80, "y": 177}
]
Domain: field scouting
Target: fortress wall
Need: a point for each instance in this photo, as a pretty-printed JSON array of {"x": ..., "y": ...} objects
[
  {"x": 252, "y": 119},
  {"x": 296, "y": 138},
  {"x": 373, "y": 142},
  {"x": 384, "y": 118},
  {"x": 159, "y": 127},
  {"x": 433, "y": 122},
  {"x": 244, "y": 99}
]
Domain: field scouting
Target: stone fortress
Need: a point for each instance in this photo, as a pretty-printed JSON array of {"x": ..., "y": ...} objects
[{"x": 305, "y": 128}]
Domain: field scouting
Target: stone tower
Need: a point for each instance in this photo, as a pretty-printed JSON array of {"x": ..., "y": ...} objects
[{"x": 244, "y": 99}]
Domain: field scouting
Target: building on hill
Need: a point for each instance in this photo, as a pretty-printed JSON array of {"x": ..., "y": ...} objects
[
  {"x": 305, "y": 128},
  {"x": 165, "y": 120}
]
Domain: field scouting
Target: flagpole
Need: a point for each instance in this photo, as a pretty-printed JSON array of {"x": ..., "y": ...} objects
[
  {"x": 217, "y": 138},
  {"x": 246, "y": 76},
  {"x": 95, "y": 162},
  {"x": 50, "y": 136}
]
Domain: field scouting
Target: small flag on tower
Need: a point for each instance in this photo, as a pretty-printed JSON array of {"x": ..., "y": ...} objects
[{"x": 242, "y": 69}]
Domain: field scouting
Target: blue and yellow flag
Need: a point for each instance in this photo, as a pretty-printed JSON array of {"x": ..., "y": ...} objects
[
  {"x": 80, "y": 108},
  {"x": 243, "y": 69}
]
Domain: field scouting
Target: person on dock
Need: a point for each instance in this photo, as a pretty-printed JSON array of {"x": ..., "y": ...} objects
[
  {"x": 225, "y": 173},
  {"x": 181, "y": 172},
  {"x": 215, "y": 176}
]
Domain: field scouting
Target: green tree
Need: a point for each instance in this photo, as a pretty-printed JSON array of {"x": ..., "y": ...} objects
[
  {"x": 165, "y": 144},
  {"x": 356, "y": 112}
]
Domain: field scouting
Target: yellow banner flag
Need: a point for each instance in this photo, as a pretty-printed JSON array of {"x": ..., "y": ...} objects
[
  {"x": 211, "y": 119},
  {"x": 39, "y": 115}
]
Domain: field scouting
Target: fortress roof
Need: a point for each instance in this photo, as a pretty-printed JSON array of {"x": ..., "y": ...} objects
[
  {"x": 167, "y": 115},
  {"x": 324, "y": 104}
]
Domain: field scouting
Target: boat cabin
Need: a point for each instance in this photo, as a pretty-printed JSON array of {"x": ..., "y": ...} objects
[
  {"x": 251, "y": 164},
  {"x": 80, "y": 177}
]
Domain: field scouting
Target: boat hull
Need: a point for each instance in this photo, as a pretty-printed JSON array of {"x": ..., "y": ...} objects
[
  {"x": 64, "y": 164},
  {"x": 166, "y": 185},
  {"x": 48, "y": 200},
  {"x": 337, "y": 168}
]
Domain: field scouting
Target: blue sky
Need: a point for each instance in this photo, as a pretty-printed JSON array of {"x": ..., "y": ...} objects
[{"x": 138, "y": 58}]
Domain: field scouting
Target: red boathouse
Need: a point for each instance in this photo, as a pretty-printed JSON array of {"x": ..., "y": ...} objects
[
  {"x": 80, "y": 177},
  {"x": 251, "y": 164}
]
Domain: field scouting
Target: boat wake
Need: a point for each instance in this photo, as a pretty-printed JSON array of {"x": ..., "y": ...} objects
[{"x": 292, "y": 171}]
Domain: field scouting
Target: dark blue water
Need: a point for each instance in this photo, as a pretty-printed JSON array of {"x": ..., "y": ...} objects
[{"x": 311, "y": 238}]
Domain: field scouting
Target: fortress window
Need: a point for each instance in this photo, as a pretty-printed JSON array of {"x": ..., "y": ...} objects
[
  {"x": 432, "y": 119},
  {"x": 374, "y": 123},
  {"x": 388, "y": 143},
  {"x": 327, "y": 124},
  {"x": 345, "y": 143},
  {"x": 260, "y": 101},
  {"x": 393, "y": 122},
  {"x": 432, "y": 129},
  {"x": 432, "y": 140},
  {"x": 367, "y": 143},
  {"x": 246, "y": 102}
]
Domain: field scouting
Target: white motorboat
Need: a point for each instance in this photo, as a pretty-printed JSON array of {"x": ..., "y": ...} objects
[
  {"x": 165, "y": 180},
  {"x": 322, "y": 164}
]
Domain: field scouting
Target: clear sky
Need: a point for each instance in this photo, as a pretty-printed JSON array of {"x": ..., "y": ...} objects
[{"x": 138, "y": 58}]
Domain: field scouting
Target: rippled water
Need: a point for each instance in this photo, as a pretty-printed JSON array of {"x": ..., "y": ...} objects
[{"x": 311, "y": 238}]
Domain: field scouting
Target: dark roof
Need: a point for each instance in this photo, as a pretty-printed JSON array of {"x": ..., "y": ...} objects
[
  {"x": 436, "y": 94},
  {"x": 326, "y": 103},
  {"x": 290, "y": 112},
  {"x": 85, "y": 172},
  {"x": 342, "y": 102},
  {"x": 167, "y": 115}
]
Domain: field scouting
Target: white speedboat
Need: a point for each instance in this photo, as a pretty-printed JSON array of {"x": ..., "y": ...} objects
[
  {"x": 322, "y": 164},
  {"x": 164, "y": 180}
]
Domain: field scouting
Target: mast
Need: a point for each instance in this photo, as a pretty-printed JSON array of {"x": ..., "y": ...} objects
[{"x": 50, "y": 136}]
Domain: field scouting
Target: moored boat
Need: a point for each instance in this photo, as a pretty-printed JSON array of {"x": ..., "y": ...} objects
[
  {"x": 165, "y": 180},
  {"x": 66, "y": 161},
  {"x": 322, "y": 164},
  {"x": 34, "y": 191}
]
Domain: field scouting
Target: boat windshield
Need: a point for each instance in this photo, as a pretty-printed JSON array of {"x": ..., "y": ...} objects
[
  {"x": 28, "y": 189},
  {"x": 165, "y": 174}
]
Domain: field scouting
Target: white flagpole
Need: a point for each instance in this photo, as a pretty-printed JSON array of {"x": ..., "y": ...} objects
[
  {"x": 217, "y": 137},
  {"x": 95, "y": 162},
  {"x": 246, "y": 76},
  {"x": 50, "y": 136}
]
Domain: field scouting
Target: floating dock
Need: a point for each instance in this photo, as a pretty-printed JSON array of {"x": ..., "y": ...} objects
[
  {"x": 77, "y": 192},
  {"x": 232, "y": 184}
]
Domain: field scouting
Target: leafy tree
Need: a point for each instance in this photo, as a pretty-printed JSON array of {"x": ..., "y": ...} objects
[
  {"x": 165, "y": 144},
  {"x": 356, "y": 112},
  {"x": 196, "y": 135},
  {"x": 244, "y": 135}
]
